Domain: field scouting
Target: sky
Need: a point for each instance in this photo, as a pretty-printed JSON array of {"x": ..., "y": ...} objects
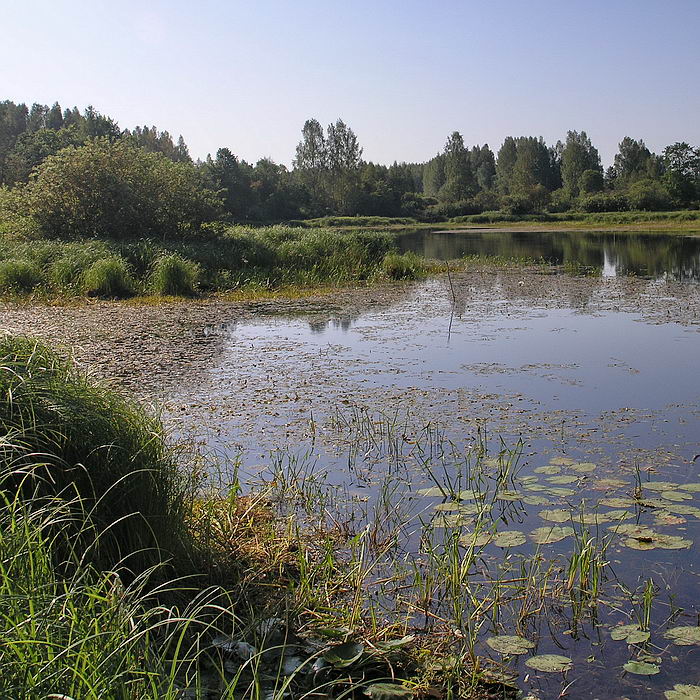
[{"x": 403, "y": 74}]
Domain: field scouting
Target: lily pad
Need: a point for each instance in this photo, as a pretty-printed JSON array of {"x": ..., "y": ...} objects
[
  {"x": 562, "y": 479},
  {"x": 391, "y": 644},
  {"x": 609, "y": 483},
  {"x": 683, "y": 636},
  {"x": 509, "y": 538},
  {"x": 550, "y": 663},
  {"x": 617, "y": 502},
  {"x": 432, "y": 491},
  {"x": 683, "y": 692},
  {"x": 560, "y": 492},
  {"x": 693, "y": 488},
  {"x": 388, "y": 691},
  {"x": 564, "y": 461},
  {"x": 536, "y": 500},
  {"x": 548, "y": 469},
  {"x": 344, "y": 654},
  {"x": 548, "y": 535},
  {"x": 641, "y": 668},
  {"x": 676, "y": 496},
  {"x": 632, "y": 634},
  {"x": 557, "y": 515},
  {"x": 682, "y": 509},
  {"x": 476, "y": 539},
  {"x": 583, "y": 467},
  {"x": 508, "y": 496},
  {"x": 510, "y": 645},
  {"x": 660, "y": 485}
]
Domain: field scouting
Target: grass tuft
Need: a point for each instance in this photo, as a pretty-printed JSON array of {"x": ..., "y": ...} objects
[
  {"x": 173, "y": 275},
  {"x": 108, "y": 278},
  {"x": 19, "y": 276}
]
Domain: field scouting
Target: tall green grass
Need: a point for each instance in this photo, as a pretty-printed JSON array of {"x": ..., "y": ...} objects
[{"x": 65, "y": 437}]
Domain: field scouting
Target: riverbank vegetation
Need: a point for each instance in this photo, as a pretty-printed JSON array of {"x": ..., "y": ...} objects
[{"x": 43, "y": 149}]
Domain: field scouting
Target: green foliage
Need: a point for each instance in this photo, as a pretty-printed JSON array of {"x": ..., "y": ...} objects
[
  {"x": 109, "y": 278},
  {"x": 116, "y": 190},
  {"x": 174, "y": 276},
  {"x": 591, "y": 182},
  {"x": 603, "y": 201},
  {"x": 70, "y": 438},
  {"x": 648, "y": 195},
  {"x": 403, "y": 267},
  {"x": 19, "y": 276}
]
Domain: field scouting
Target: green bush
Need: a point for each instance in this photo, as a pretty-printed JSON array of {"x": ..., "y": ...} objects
[
  {"x": 69, "y": 438},
  {"x": 19, "y": 276},
  {"x": 174, "y": 276},
  {"x": 406, "y": 266},
  {"x": 108, "y": 278}
]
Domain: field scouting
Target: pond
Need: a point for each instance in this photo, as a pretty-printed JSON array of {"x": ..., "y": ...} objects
[
  {"x": 517, "y": 450},
  {"x": 641, "y": 253}
]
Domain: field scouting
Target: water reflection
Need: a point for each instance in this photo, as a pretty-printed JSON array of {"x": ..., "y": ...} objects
[{"x": 644, "y": 254}]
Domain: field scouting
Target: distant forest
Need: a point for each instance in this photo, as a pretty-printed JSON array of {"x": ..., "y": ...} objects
[{"x": 42, "y": 147}]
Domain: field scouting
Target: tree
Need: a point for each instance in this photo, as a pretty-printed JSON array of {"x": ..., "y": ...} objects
[
  {"x": 460, "y": 180},
  {"x": 116, "y": 190},
  {"x": 311, "y": 161},
  {"x": 578, "y": 155},
  {"x": 484, "y": 164},
  {"x": 505, "y": 163},
  {"x": 231, "y": 179},
  {"x": 590, "y": 182},
  {"x": 682, "y": 177},
  {"x": 631, "y": 162}
]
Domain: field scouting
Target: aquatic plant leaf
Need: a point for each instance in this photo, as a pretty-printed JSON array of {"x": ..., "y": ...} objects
[
  {"x": 562, "y": 479},
  {"x": 468, "y": 495},
  {"x": 560, "y": 492},
  {"x": 641, "y": 668},
  {"x": 536, "y": 487},
  {"x": 510, "y": 645},
  {"x": 583, "y": 467},
  {"x": 632, "y": 634},
  {"x": 683, "y": 692},
  {"x": 693, "y": 488},
  {"x": 557, "y": 515},
  {"x": 683, "y": 636},
  {"x": 388, "y": 691},
  {"x": 433, "y": 491},
  {"x": 548, "y": 535},
  {"x": 617, "y": 515},
  {"x": 640, "y": 544},
  {"x": 564, "y": 461},
  {"x": 509, "y": 538},
  {"x": 550, "y": 663},
  {"x": 508, "y": 496},
  {"x": 616, "y": 502},
  {"x": 391, "y": 644},
  {"x": 447, "y": 520},
  {"x": 344, "y": 654},
  {"x": 535, "y": 500},
  {"x": 547, "y": 469},
  {"x": 659, "y": 485},
  {"x": 609, "y": 483},
  {"x": 682, "y": 509},
  {"x": 673, "y": 542},
  {"x": 663, "y": 517},
  {"x": 476, "y": 539},
  {"x": 676, "y": 496}
]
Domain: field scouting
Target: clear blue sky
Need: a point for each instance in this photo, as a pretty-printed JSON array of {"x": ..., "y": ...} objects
[{"x": 402, "y": 73}]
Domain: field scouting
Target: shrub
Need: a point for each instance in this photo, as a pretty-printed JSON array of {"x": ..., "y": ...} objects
[
  {"x": 70, "y": 439},
  {"x": 608, "y": 201},
  {"x": 406, "y": 266},
  {"x": 108, "y": 278},
  {"x": 19, "y": 276},
  {"x": 648, "y": 195},
  {"x": 174, "y": 276}
]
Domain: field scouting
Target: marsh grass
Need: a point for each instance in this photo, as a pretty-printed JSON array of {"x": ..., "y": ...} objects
[
  {"x": 19, "y": 276},
  {"x": 173, "y": 275},
  {"x": 109, "y": 278}
]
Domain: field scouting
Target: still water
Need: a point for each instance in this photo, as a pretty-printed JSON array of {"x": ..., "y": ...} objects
[
  {"x": 586, "y": 387},
  {"x": 655, "y": 255}
]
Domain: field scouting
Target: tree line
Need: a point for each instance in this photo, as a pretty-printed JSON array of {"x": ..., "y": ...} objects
[{"x": 44, "y": 148}]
